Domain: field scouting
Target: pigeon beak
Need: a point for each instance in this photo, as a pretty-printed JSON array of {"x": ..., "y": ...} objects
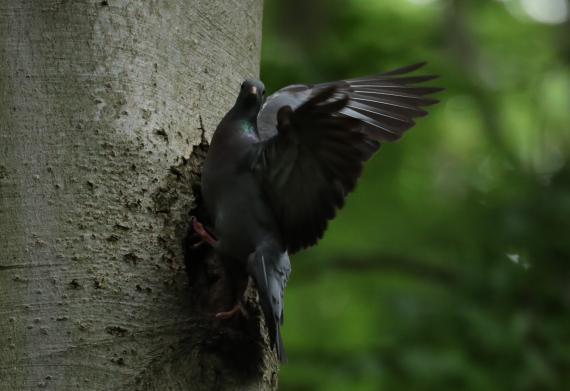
[{"x": 253, "y": 90}]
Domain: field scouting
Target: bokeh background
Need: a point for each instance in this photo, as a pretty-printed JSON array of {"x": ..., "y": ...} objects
[{"x": 448, "y": 269}]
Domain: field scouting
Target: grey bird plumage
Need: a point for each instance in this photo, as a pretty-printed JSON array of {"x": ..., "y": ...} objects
[{"x": 277, "y": 171}]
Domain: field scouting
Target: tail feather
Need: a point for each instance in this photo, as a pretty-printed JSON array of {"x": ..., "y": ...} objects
[
  {"x": 279, "y": 347},
  {"x": 270, "y": 267}
]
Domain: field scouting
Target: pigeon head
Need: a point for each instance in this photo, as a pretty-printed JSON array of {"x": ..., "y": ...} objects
[{"x": 250, "y": 98}]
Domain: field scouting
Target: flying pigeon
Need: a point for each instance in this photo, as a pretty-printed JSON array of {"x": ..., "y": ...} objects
[{"x": 277, "y": 171}]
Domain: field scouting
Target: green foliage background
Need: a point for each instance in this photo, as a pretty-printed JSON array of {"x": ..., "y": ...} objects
[{"x": 448, "y": 268}]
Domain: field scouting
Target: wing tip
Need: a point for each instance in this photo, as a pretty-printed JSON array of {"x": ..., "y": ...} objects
[{"x": 406, "y": 69}]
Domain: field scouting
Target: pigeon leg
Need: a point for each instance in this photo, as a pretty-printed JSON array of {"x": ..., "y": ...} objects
[
  {"x": 202, "y": 232},
  {"x": 238, "y": 308},
  {"x": 235, "y": 311}
]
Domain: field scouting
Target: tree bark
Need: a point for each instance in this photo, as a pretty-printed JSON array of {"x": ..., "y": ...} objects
[{"x": 104, "y": 109}]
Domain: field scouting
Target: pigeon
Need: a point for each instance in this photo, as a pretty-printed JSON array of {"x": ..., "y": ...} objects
[{"x": 278, "y": 169}]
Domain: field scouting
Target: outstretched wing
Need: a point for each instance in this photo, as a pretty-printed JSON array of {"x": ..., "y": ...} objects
[{"x": 316, "y": 139}]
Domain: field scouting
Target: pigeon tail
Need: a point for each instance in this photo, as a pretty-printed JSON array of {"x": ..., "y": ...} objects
[
  {"x": 270, "y": 267},
  {"x": 279, "y": 347}
]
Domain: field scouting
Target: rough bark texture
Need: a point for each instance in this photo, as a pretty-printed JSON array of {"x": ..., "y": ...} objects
[{"x": 103, "y": 108}]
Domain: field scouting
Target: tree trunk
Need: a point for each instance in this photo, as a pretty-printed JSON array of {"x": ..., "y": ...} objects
[{"x": 103, "y": 109}]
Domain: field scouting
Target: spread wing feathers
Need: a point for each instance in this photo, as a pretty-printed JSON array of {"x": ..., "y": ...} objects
[
  {"x": 387, "y": 103},
  {"x": 315, "y": 140},
  {"x": 307, "y": 170}
]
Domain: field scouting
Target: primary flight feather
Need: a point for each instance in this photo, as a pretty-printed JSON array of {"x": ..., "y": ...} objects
[{"x": 277, "y": 171}]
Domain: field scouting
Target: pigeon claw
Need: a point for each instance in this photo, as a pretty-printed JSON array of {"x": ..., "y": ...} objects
[
  {"x": 202, "y": 232},
  {"x": 235, "y": 311}
]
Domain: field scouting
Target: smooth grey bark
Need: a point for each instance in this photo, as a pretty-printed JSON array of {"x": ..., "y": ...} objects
[{"x": 103, "y": 105}]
